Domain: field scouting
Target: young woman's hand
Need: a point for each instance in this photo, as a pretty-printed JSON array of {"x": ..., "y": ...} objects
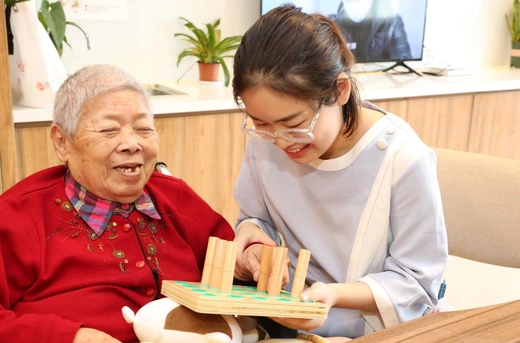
[
  {"x": 325, "y": 293},
  {"x": 300, "y": 324}
]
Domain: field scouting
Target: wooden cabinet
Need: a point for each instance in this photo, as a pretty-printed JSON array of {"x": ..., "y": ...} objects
[
  {"x": 206, "y": 152},
  {"x": 398, "y": 107},
  {"x": 7, "y": 143},
  {"x": 486, "y": 123},
  {"x": 34, "y": 148},
  {"x": 441, "y": 122},
  {"x": 1, "y": 183},
  {"x": 495, "y": 124}
]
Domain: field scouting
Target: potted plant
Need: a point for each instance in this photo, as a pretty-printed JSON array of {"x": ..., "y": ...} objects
[
  {"x": 514, "y": 28},
  {"x": 52, "y": 17},
  {"x": 209, "y": 49}
]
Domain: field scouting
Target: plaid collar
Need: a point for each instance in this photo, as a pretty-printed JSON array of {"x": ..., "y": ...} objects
[{"x": 97, "y": 212}]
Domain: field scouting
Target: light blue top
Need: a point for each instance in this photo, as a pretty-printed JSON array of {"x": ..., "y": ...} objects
[{"x": 373, "y": 214}]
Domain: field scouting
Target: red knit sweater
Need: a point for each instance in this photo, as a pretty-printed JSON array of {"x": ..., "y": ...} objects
[{"x": 56, "y": 275}]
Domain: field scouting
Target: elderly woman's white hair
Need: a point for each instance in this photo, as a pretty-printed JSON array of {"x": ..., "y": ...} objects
[{"x": 84, "y": 85}]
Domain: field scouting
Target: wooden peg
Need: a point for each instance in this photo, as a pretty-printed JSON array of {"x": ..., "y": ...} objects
[
  {"x": 218, "y": 261},
  {"x": 275, "y": 284},
  {"x": 300, "y": 273},
  {"x": 228, "y": 270},
  {"x": 208, "y": 261},
  {"x": 265, "y": 268}
]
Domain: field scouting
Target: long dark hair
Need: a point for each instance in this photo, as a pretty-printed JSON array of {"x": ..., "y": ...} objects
[{"x": 298, "y": 55}]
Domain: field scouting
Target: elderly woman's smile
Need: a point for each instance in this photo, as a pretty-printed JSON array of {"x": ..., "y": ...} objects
[
  {"x": 129, "y": 169},
  {"x": 114, "y": 148}
]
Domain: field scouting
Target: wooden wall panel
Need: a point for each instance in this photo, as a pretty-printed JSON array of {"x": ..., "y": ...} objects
[
  {"x": 52, "y": 159},
  {"x": 442, "y": 122},
  {"x": 214, "y": 148},
  {"x": 397, "y": 107},
  {"x": 34, "y": 148},
  {"x": 8, "y": 158},
  {"x": 495, "y": 128},
  {"x": 172, "y": 150},
  {"x": 206, "y": 152}
]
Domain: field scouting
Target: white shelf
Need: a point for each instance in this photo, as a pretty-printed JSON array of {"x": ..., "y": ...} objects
[{"x": 373, "y": 86}]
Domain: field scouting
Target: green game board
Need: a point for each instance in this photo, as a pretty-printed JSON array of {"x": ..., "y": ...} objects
[{"x": 242, "y": 300}]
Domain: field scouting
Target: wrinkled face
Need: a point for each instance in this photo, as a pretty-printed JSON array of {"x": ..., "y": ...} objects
[
  {"x": 114, "y": 149},
  {"x": 272, "y": 112}
]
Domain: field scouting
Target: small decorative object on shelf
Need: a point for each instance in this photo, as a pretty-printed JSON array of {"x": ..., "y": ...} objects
[
  {"x": 209, "y": 49},
  {"x": 513, "y": 23},
  {"x": 36, "y": 70}
]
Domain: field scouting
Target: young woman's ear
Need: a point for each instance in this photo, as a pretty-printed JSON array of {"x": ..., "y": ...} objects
[{"x": 343, "y": 88}]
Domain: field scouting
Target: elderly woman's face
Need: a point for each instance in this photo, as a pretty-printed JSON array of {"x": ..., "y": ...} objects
[{"x": 114, "y": 149}]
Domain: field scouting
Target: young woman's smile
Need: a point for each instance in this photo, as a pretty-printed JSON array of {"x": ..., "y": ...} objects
[{"x": 273, "y": 112}]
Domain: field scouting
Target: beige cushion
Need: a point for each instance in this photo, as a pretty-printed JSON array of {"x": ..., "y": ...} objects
[{"x": 481, "y": 201}]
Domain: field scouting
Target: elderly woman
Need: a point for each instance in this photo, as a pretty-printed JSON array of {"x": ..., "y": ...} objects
[{"x": 82, "y": 240}]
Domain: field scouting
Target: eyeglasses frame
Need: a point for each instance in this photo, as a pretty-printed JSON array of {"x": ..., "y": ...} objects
[{"x": 253, "y": 133}]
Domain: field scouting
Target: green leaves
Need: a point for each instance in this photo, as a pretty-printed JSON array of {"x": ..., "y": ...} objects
[
  {"x": 514, "y": 22},
  {"x": 12, "y": 2},
  {"x": 207, "y": 46},
  {"x": 53, "y": 20}
]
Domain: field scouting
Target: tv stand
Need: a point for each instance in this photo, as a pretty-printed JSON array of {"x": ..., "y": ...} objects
[{"x": 401, "y": 64}]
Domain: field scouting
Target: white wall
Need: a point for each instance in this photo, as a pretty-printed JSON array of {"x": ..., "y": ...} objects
[
  {"x": 468, "y": 32},
  {"x": 459, "y": 32},
  {"x": 144, "y": 44}
]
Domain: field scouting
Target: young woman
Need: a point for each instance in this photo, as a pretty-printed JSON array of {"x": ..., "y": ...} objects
[{"x": 327, "y": 172}]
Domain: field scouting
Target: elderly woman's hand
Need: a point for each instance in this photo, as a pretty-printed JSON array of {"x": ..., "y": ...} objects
[
  {"x": 249, "y": 253},
  {"x": 86, "y": 335},
  {"x": 249, "y": 256}
]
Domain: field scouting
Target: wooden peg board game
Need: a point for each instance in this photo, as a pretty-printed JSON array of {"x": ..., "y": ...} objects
[
  {"x": 216, "y": 294},
  {"x": 242, "y": 300}
]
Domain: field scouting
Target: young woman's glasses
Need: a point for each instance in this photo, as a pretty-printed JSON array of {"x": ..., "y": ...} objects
[{"x": 292, "y": 135}]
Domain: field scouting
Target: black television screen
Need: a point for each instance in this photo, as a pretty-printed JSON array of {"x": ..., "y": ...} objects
[{"x": 375, "y": 30}]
